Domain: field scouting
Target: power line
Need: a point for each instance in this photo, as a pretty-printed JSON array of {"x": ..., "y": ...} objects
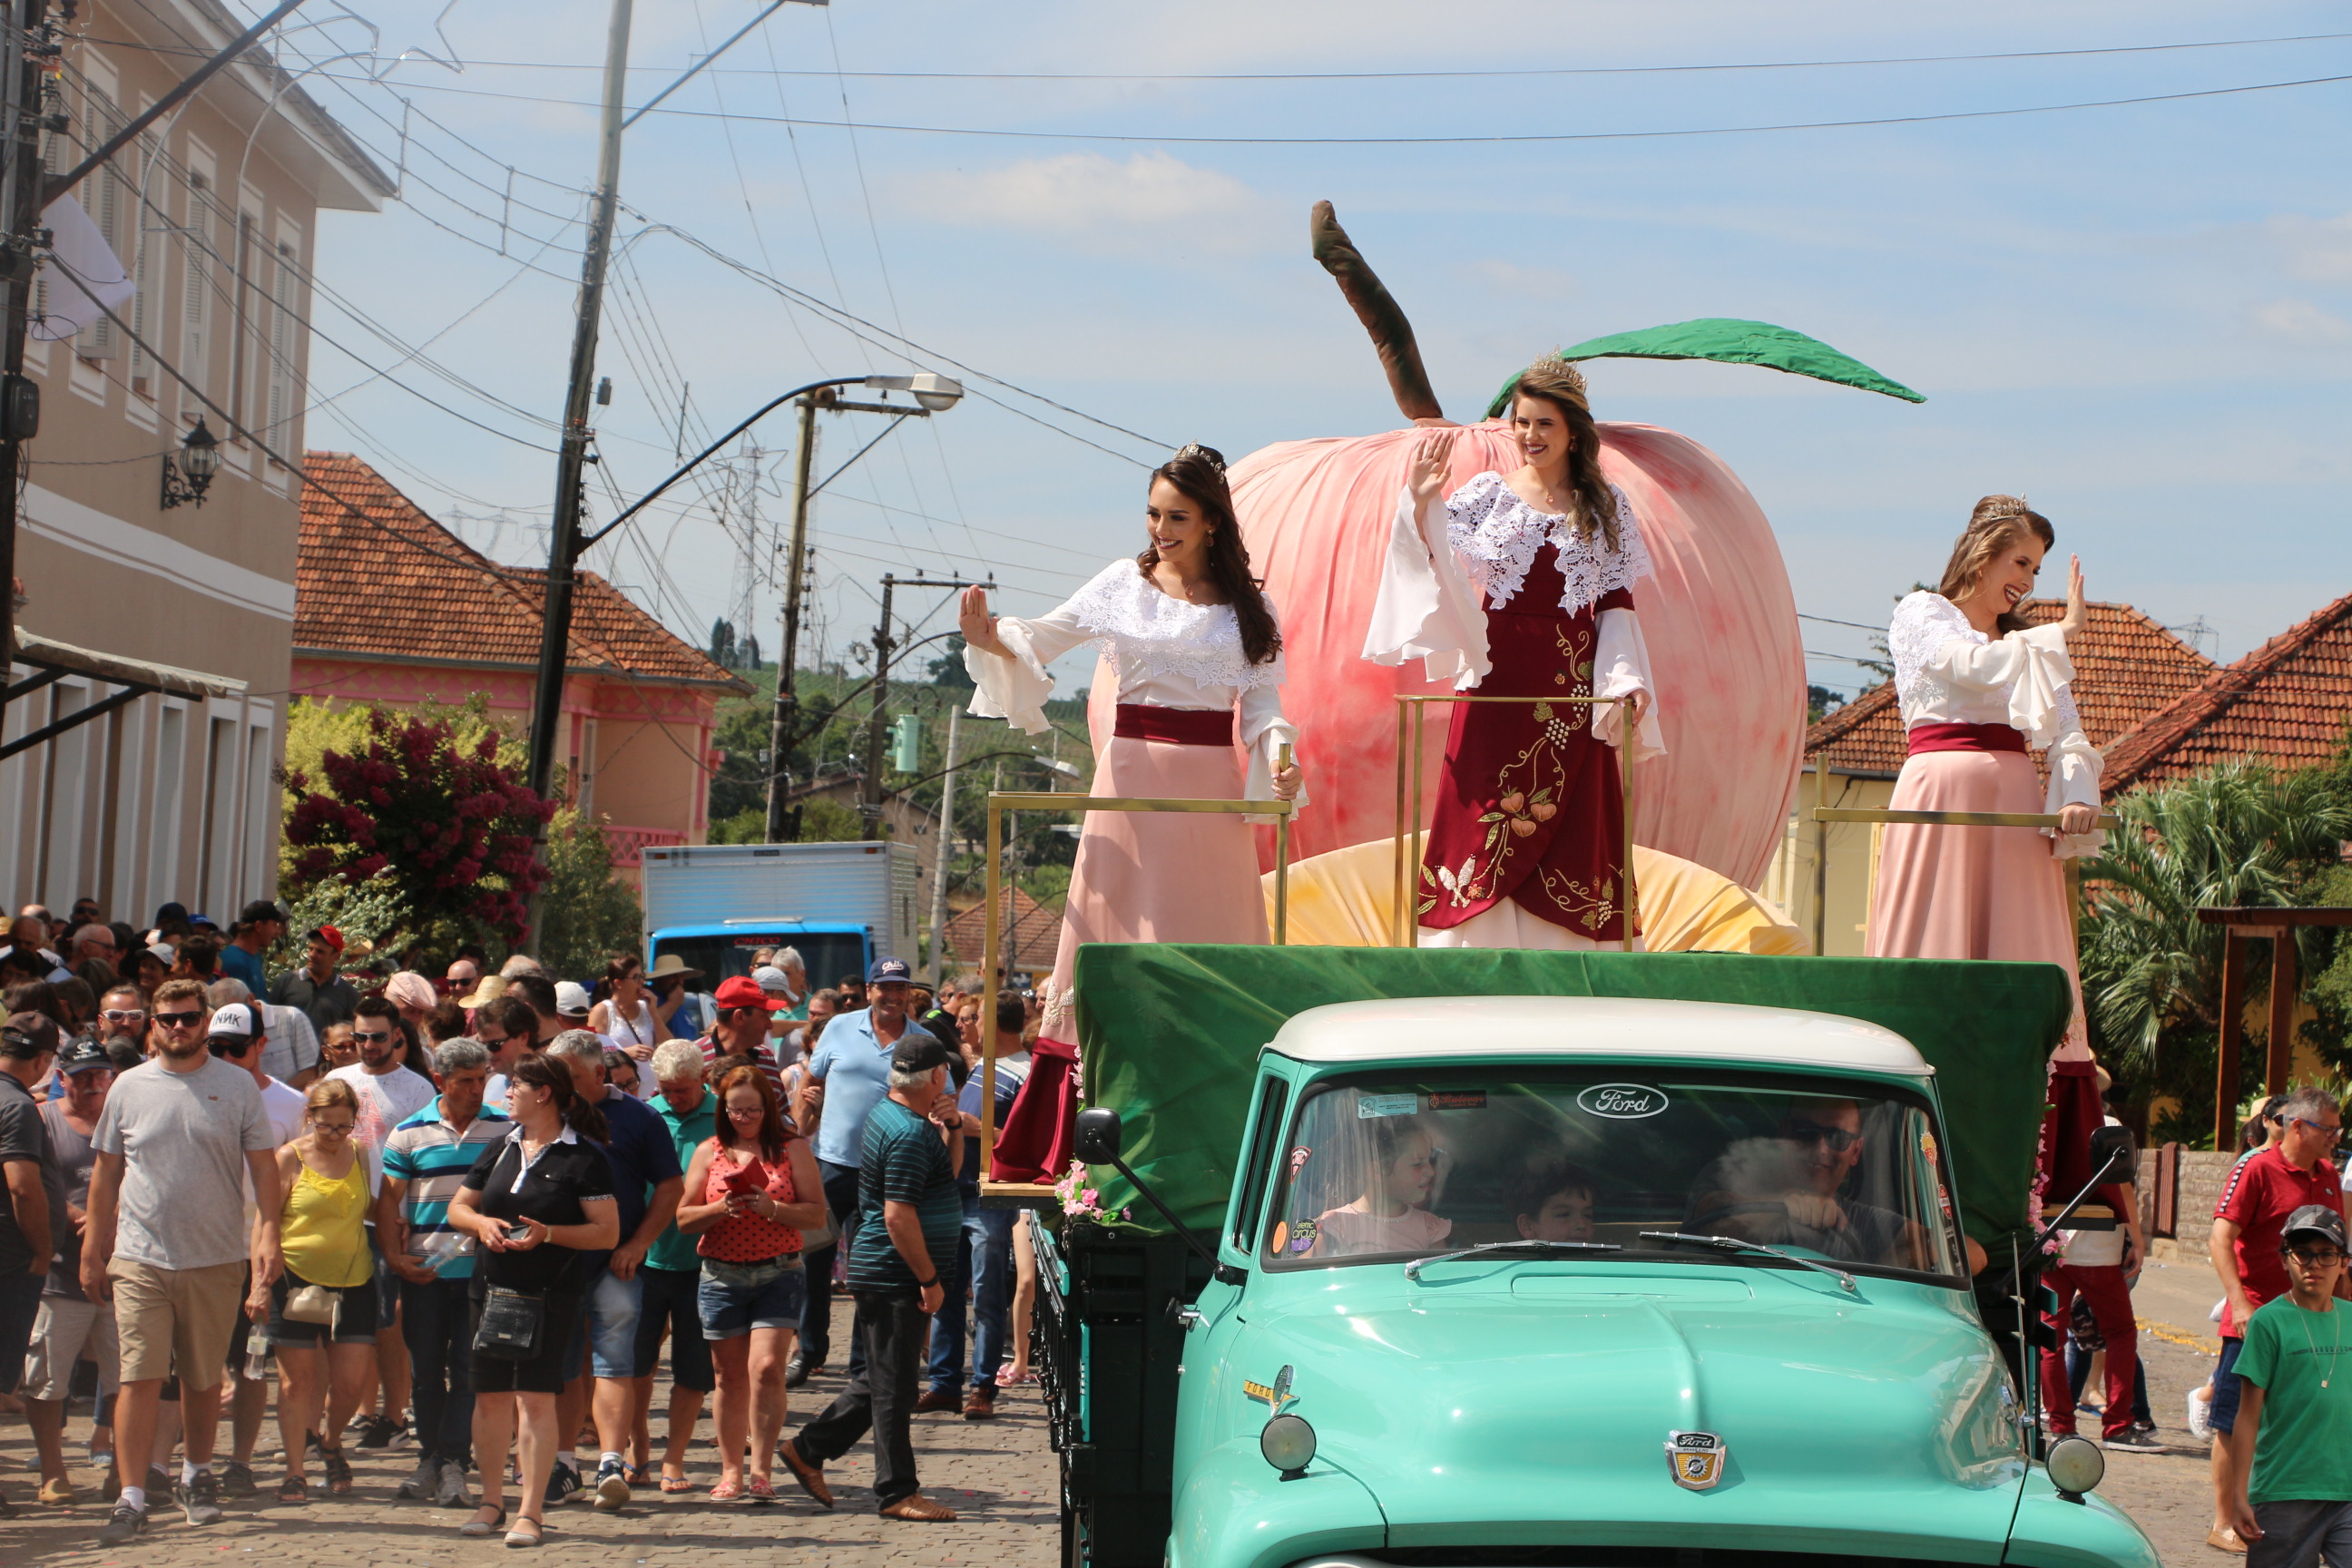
[
  {"x": 1481, "y": 139},
  {"x": 1829, "y": 621}
]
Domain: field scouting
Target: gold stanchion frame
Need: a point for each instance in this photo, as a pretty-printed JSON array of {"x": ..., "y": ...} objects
[
  {"x": 991, "y": 948},
  {"x": 1403, "y": 921},
  {"x": 1880, "y": 814}
]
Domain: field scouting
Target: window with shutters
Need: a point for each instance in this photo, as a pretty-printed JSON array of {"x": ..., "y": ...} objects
[
  {"x": 244, "y": 323},
  {"x": 107, "y": 199},
  {"x": 285, "y": 309},
  {"x": 147, "y": 229},
  {"x": 196, "y": 290}
]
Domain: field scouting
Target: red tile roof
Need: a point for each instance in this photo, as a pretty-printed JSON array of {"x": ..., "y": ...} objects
[
  {"x": 1032, "y": 936},
  {"x": 2287, "y": 703},
  {"x": 2125, "y": 668},
  {"x": 376, "y": 577}
]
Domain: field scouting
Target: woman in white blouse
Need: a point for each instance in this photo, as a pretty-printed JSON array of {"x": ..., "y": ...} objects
[
  {"x": 1523, "y": 588},
  {"x": 1198, "y": 654},
  {"x": 1978, "y": 688}
]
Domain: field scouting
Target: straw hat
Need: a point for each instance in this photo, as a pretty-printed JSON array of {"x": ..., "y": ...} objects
[
  {"x": 670, "y": 966},
  {"x": 491, "y": 988}
]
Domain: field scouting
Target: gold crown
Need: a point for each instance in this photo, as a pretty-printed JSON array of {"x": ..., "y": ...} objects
[{"x": 1564, "y": 378}]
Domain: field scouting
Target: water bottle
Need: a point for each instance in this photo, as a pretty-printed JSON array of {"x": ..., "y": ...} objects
[
  {"x": 257, "y": 1355},
  {"x": 444, "y": 1247}
]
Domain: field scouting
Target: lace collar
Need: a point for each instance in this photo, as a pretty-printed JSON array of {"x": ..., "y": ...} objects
[
  {"x": 1152, "y": 634},
  {"x": 1497, "y": 534}
]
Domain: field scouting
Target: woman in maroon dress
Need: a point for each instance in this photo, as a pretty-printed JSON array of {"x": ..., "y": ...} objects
[{"x": 1527, "y": 593}]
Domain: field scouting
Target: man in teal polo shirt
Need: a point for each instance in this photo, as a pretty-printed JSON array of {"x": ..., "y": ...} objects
[
  {"x": 852, "y": 1070},
  {"x": 673, "y": 1269}
]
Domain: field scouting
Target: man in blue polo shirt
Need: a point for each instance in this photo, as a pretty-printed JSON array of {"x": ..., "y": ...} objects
[{"x": 852, "y": 1071}]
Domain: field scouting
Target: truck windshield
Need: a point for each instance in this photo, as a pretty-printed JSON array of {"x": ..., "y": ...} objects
[
  {"x": 828, "y": 954},
  {"x": 1385, "y": 1167}
]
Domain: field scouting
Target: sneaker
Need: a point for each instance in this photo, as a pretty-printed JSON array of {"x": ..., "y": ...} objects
[
  {"x": 449, "y": 1492},
  {"x": 158, "y": 1482},
  {"x": 378, "y": 1431},
  {"x": 123, "y": 1526},
  {"x": 2131, "y": 1442},
  {"x": 200, "y": 1499},
  {"x": 797, "y": 1369},
  {"x": 562, "y": 1482},
  {"x": 2200, "y": 1415},
  {"x": 236, "y": 1480},
  {"x": 422, "y": 1483},
  {"x": 612, "y": 1485}
]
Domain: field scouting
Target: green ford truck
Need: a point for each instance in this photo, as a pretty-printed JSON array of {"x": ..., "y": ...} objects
[{"x": 1449, "y": 1259}]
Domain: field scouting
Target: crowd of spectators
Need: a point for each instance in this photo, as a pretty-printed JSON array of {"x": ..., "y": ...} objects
[{"x": 480, "y": 1213}]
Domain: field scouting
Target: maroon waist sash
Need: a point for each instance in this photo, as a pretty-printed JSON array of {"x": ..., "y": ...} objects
[
  {"x": 1175, "y": 726},
  {"x": 1965, "y": 737}
]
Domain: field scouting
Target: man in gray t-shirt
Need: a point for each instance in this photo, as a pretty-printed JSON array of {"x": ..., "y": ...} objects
[{"x": 166, "y": 1240}]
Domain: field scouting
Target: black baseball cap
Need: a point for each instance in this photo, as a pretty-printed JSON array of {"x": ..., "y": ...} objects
[
  {"x": 28, "y": 1035},
  {"x": 83, "y": 1055},
  {"x": 2315, "y": 1219},
  {"x": 918, "y": 1051}
]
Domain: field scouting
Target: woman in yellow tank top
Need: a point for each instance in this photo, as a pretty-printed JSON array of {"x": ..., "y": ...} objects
[{"x": 322, "y": 1241}]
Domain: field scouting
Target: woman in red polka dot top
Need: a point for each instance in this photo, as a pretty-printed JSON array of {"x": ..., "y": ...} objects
[{"x": 744, "y": 1199}]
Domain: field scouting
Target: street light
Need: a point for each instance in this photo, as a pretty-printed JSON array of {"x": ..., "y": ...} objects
[
  {"x": 936, "y": 394},
  {"x": 186, "y": 483}
]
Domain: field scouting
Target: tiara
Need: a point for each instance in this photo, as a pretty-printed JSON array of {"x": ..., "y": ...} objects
[
  {"x": 1209, "y": 454},
  {"x": 1560, "y": 370}
]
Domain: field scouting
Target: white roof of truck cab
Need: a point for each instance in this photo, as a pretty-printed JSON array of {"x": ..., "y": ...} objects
[{"x": 1420, "y": 1027}]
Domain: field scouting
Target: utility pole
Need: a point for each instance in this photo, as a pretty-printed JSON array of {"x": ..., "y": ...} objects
[
  {"x": 564, "y": 543},
  {"x": 21, "y": 109},
  {"x": 943, "y": 853},
  {"x": 784, "y": 827},
  {"x": 869, "y": 789}
]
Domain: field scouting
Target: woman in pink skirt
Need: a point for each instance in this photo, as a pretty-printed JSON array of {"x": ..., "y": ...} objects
[
  {"x": 1977, "y": 688},
  {"x": 1198, "y": 654}
]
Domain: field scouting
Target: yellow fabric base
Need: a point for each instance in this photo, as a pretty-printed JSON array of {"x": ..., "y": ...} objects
[{"x": 1344, "y": 899}]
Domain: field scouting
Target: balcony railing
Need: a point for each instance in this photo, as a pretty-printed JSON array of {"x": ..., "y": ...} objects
[{"x": 629, "y": 845}]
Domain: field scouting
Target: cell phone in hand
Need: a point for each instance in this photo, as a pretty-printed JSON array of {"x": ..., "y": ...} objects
[
  {"x": 741, "y": 1183},
  {"x": 518, "y": 1231}
]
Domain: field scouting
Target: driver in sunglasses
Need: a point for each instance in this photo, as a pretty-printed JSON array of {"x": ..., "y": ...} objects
[{"x": 1788, "y": 1190}]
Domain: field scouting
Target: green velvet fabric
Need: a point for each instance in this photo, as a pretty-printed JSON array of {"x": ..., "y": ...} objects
[
  {"x": 1170, "y": 1036},
  {"x": 1730, "y": 341}
]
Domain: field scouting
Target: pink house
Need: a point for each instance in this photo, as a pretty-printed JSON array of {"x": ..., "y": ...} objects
[{"x": 391, "y": 608}]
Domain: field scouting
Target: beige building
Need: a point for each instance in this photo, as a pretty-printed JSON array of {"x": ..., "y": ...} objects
[{"x": 176, "y": 622}]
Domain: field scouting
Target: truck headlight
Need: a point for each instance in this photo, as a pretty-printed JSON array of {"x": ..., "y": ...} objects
[
  {"x": 1288, "y": 1445},
  {"x": 2075, "y": 1466}
]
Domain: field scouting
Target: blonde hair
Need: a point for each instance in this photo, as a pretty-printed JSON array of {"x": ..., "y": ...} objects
[
  {"x": 1997, "y": 522},
  {"x": 328, "y": 1091}
]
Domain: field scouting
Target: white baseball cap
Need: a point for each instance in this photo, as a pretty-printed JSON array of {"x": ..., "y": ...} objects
[
  {"x": 571, "y": 998},
  {"x": 234, "y": 1021},
  {"x": 768, "y": 977}
]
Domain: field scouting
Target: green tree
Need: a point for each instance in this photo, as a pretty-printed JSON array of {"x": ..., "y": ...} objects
[
  {"x": 2239, "y": 834},
  {"x": 585, "y": 912}
]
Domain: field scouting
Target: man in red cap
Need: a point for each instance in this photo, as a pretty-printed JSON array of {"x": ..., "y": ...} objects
[
  {"x": 325, "y": 997},
  {"x": 742, "y": 1012}
]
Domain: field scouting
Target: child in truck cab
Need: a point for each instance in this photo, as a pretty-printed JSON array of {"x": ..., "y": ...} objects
[
  {"x": 1554, "y": 1203},
  {"x": 1389, "y": 1217}
]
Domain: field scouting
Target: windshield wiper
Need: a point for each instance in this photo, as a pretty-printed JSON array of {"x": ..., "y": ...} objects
[
  {"x": 1412, "y": 1269},
  {"x": 1734, "y": 1244}
]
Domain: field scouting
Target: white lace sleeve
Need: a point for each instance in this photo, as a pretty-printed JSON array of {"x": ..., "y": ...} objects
[
  {"x": 1937, "y": 653},
  {"x": 2075, "y": 766},
  {"x": 1621, "y": 665},
  {"x": 1427, "y": 608},
  {"x": 1016, "y": 687},
  {"x": 1263, "y": 732}
]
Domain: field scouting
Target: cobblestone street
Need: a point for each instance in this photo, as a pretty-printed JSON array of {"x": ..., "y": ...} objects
[{"x": 997, "y": 1475}]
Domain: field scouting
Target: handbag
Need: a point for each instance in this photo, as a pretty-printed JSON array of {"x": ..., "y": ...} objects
[
  {"x": 314, "y": 1304},
  {"x": 512, "y": 1323}
]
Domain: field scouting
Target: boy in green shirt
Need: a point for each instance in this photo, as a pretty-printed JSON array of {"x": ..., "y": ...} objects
[{"x": 2294, "y": 1426}]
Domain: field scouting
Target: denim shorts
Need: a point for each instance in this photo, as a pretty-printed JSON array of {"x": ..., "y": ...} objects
[
  {"x": 2226, "y": 1387},
  {"x": 736, "y": 1298}
]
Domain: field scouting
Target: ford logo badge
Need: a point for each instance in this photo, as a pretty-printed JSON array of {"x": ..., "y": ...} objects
[{"x": 1621, "y": 1102}]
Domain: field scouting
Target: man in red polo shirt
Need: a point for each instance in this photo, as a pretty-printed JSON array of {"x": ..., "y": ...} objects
[{"x": 2266, "y": 1187}]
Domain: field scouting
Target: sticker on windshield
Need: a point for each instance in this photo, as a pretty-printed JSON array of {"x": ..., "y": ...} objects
[
  {"x": 1371, "y": 1105},
  {"x": 1298, "y": 1158},
  {"x": 1302, "y": 1237},
  {"x": 1621, "y": 1102},
  {"x": 1457, "y": 1100}
]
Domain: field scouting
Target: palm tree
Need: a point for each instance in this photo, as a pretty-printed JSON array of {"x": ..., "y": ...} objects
[{"x": 2239, "y": 834}]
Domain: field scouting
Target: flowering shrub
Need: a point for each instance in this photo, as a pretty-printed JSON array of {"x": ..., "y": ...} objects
[{"x": 437, "y": 815}]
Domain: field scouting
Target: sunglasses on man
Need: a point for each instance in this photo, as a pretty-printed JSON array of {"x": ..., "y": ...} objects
[
  {"x": 366, "y": 1036},
  {"x": 181, "y": 1020},
  {"x": 1837, "y": 1139}
]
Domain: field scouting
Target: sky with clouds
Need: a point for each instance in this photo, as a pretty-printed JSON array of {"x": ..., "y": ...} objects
[{"x": 2140, "y": 316}]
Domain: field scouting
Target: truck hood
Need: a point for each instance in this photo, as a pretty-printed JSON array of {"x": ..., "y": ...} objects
[{"x": 1526, "y": 1404}]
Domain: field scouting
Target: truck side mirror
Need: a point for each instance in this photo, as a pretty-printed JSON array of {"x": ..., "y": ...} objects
[
  {"x": 2111, "y": 1157},
  {"x": 1097, "y": 1137}
]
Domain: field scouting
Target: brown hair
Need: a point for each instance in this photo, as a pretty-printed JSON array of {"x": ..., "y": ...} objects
[
  {"x": 543, "y": 1071},
  {"x": 179, "y": 991},
  {"x": 1200, "y": 473},
  {"x": 1561, "y": 384},
  {"x": 774, "y": 1134},
  {"x": 1993, "y": 526}
]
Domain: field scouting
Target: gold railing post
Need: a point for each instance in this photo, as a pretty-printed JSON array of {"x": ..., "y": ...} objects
[
  {"x": 1626, "y": 777},
  {"x": 1282, "y": 859},
  {"x": 989, "y": 950},
  {"x": 1400, "y": 928}
]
